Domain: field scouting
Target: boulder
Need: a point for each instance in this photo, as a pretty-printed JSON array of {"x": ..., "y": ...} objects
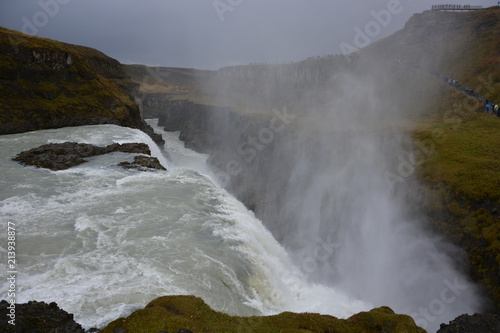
[
  {"x": 143, "y": 163},
  {"x": 61, "y": 156},
  {"x": 38, "y": 317},
  {"x": 476, "y": 323}
]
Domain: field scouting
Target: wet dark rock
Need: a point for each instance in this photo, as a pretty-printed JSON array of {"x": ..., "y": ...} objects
[
  {"x": 157, "y": 138},
  {"x": 183, "y": 330},
  {"x": 134, "y": 148},
  {"x": 476, "y": 323},
  {"x": 61, "y": 156},
  {"x": 38, "y": 317},
  {"x": 143, "y": 163}
]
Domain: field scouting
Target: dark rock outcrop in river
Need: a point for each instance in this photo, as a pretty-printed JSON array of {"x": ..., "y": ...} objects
[
  {"x": 61, "y": 156},
  {"x": 143, "y": 163}
]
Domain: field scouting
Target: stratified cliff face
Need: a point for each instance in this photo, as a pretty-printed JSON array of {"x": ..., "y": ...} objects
[
  {"x": 307, "y": 72},
  {"x": 153, "y": 103},
  {"x": 198, "y": 124},
  {"x": 47, "y": 84}
]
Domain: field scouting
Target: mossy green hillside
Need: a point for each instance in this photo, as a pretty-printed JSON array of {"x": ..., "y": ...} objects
[
  {"x": 460, "y": 172},
  {"x": 461, "y": 180},
  {"x": 467, "y": 145},
  {"x": 467, "y": 158},
  {"x": 171, "y": 313},
  {"x": 49, "y": 84}
]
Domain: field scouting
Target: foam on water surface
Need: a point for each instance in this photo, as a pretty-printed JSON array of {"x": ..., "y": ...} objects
[{"x": 102, "y": 241}]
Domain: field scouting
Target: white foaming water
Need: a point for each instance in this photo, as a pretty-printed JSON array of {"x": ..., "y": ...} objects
[
  {"x": 180, "y": 157},
  {"x": 102, "y": 241}
]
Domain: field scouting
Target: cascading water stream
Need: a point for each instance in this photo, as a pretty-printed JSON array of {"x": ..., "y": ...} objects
[
  {"x": 341, "y": 222},
  {"x": 102, "y": 241}
]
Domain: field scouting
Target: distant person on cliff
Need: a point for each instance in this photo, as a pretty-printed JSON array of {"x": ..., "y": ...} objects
[
  {"x": 487, "y": 107},
  {"x": 495, "y": 108}
]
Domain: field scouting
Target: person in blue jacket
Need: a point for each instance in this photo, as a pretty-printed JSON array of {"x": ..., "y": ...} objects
[{"x": 487, "y": 107}]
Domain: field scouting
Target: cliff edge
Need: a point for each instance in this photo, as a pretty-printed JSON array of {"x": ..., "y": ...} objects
[{"x": 48, "y": 84}]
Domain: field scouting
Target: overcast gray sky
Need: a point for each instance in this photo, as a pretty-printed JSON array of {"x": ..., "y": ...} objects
[{"x": 209, "y": 34}]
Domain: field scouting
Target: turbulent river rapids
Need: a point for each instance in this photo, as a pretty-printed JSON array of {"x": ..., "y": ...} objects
[{"x": 103, "y": 241}]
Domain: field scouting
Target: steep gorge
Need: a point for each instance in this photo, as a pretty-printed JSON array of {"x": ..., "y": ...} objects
[
  {"x": 406, "y": 71},
  {"x": 249, "y": 119}
]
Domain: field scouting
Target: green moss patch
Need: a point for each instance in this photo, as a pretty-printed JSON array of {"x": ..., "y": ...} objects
[
  {"x": 171, "y": 313},
  {"x": 467, "y": 156}
]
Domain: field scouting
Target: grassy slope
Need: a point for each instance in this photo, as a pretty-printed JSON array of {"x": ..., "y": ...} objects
[
  {"x": 462, "y": 182},
  {"x": 172, "y": 313},
  {"x": 462, "y": 176},
  {"x": 467, "y": 155},
  {"x": 35, "y": 94}
]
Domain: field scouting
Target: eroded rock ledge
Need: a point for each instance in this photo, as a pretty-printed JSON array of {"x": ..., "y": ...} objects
[
  {"x": 37, "y": 317},
  {"x": 61, "y": 156}
]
